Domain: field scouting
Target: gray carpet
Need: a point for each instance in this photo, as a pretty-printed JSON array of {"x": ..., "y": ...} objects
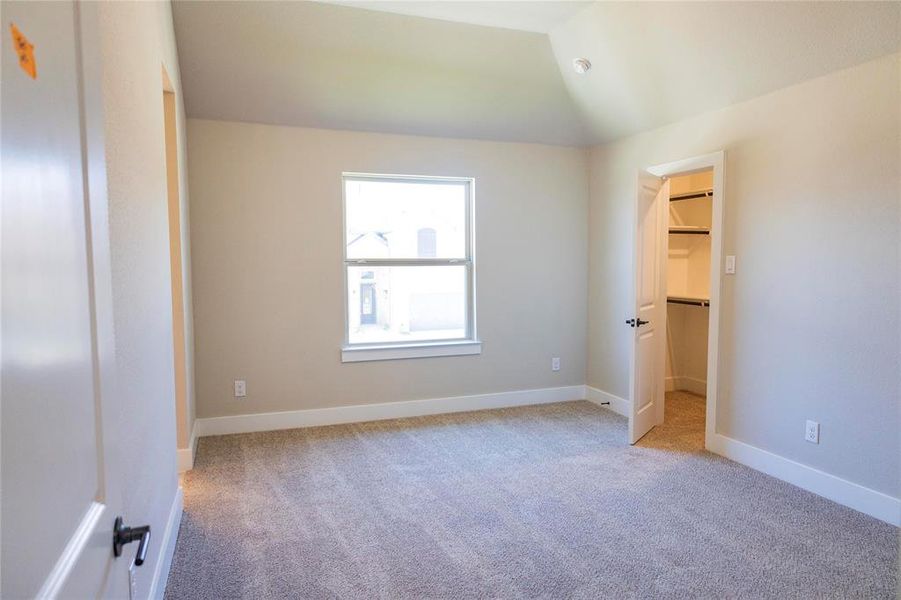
[{"x": 535, "y": 502}]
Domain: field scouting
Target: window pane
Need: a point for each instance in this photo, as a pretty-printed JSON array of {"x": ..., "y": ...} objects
[
  {"x": 405, "y": 219},
  {"x": 406, "y": 304}
]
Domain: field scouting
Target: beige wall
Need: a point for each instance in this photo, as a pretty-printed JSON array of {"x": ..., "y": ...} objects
[
  {"x": 268, "y": 271},
  {"x": 136, "y": 40},
  {"x": 810, "y": 321},
  {"x": 686, "y": 347}
]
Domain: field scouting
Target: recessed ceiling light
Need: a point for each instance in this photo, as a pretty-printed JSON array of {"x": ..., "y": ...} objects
[{"x": 581, "y": 65}]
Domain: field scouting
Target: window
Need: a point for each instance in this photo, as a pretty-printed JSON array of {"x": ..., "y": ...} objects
[{"x": 408, "y": 266}]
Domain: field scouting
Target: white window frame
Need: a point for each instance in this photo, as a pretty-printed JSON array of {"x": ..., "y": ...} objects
[{"x": 469, "y": 344}]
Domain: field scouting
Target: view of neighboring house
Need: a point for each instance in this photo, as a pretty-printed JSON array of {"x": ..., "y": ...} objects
[{"x": 404, "y": 302}]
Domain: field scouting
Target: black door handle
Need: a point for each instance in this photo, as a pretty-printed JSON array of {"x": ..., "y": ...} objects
[
  {"x": 125, "y": 535},
  {"x": 639, "y": 322}
]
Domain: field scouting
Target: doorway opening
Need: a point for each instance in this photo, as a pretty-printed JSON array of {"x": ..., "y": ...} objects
[
  {"x": 183, "y": 434},
  {"x": 687, "y": 308},
  {"x": 678, "y": 259}
]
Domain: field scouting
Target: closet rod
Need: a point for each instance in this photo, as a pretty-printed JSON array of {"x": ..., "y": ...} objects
[
  {"x": 685, "y": 230},
  {"x": 688, "y": 301},
  {"x": 692, "y": 196}
]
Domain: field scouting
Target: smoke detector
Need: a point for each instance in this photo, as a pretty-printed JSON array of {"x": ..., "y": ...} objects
[{"x": 581, "y": 65}]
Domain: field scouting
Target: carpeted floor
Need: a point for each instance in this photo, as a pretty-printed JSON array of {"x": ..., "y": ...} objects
[{"x": 545, "y": 501}]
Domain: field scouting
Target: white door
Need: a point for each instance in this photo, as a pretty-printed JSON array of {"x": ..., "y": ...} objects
[
  {"x": 60, "y": 487},
  {"x": 649, "y": 319}
]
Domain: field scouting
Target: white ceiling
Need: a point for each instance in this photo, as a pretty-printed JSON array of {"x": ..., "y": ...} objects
[
  {"x": 658, "y": 63},
  {"x": 320, "y": 65},
  {"x": 538, "y": 16},
  {"x": 483, "y": 69}
]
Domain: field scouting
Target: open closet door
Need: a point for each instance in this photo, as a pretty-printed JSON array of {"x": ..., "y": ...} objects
[
  {"x": 62, "y": 484},
  {"x": 649, "y": 321}
]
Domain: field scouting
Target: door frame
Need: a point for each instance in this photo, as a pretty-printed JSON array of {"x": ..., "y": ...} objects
[
  {"x": 184, "y": 437},
  {"x": 716, "y": 161}
]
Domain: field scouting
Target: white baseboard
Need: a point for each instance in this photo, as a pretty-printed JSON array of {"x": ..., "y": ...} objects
[
  {"x": 844, "y": 492},
  {"x": 860, "y": 498},
  {"x": 389, "y": 410},
  {"x": 692, "y": 384},
  {"x": 185, "y": 459},
  {"x": 689, "y": 384},
  {"x": 186, "y": 455},
  {"x": 167, "y": 547},
  {"x": 618, "y": 405}
]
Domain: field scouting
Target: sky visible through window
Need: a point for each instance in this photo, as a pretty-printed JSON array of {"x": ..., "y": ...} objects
[{"x": 396, "y": 211}]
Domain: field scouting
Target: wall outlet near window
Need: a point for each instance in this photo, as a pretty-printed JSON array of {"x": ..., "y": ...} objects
[
  {"x": 812, "y": 432},
  {"x": 555, "y": 364},
  {"x": 240, "y": 388}
]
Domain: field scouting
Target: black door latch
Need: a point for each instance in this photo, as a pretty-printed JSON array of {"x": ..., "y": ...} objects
[
  {"x": 636, "y": 322},
  {"x": 125, "y": 535}
]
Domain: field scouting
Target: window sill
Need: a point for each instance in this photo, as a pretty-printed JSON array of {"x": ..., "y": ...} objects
[{"x": 367, "y": 353}]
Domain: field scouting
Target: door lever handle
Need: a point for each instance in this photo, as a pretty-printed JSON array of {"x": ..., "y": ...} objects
[
  {"x": 636, "y": 322},
  {"x": 125, "y": 535}
]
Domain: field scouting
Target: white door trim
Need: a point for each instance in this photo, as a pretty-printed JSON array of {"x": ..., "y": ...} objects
[
  {"x": 716, "y": 161},
  {"x": 167, "y": 547}
]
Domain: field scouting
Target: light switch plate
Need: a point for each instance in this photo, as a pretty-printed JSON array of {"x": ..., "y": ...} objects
[{"x": 730, "y": 264}]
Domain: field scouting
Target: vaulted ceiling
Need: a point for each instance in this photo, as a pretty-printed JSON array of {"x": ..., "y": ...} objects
[{"x": 503, "y": 70}]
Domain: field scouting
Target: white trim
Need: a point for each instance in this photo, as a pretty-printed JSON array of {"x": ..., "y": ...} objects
[
  {"x": 367, "y": 353},
  {"x": 844, "y": 492},
  {"x": 860, "y": 498},
  {"x": 186, "y": 455},
  {"x": 388, "y": 410},
  {"x": 72, "y": 552},
  {"x": 669, "y": 384},
  {"x": 716, "y": 161},
  {"x": 185, "y": 459},
  {"x": 167, "y": 548},
  {"x": 688, "y": 384},
  {"x": 620, "y": 406},
  {"x": 852, "y": 495},
  {"x": 468, "y": 261}
]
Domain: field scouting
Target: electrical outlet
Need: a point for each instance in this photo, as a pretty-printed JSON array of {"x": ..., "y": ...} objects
[
  {"x": 240, "y": 388},
  {"x": 555, "y": 364},
  {"x": 812, "y": 432},
  {"x": 132, "y": 582}
]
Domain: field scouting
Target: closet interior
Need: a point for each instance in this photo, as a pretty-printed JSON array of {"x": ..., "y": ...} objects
[{"x": 688, "y": 281}]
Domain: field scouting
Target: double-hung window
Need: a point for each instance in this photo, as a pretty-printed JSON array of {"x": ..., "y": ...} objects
[{"x": 409, "y": 267}]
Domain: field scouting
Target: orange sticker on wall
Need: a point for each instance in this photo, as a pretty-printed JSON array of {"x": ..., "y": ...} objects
[{"x": 25, "y": 50}]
